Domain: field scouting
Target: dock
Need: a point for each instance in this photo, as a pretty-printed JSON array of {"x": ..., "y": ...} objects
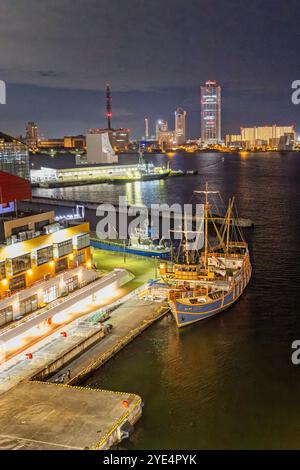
[
  {"x": 129, "y": 320},
  {"x": 43, "y": 416},
  {"x": 40, "y": 412}
]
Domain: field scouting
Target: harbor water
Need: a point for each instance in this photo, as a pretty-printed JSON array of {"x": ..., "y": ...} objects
[{"x": 228, "y": 382}]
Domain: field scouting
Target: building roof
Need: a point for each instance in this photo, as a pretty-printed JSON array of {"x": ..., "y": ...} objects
[
  {"x": 9, "y": 138},
  {"x": 13, "y": 188}
]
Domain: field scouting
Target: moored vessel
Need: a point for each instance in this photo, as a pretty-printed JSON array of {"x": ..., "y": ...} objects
[{"x": 203, "y": 282}]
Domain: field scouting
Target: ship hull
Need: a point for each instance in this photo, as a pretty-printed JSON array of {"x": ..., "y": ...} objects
[{"x": 186, "y": 314}]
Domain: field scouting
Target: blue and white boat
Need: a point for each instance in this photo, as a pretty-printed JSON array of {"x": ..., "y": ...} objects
[{"x": 200, "y": 289}]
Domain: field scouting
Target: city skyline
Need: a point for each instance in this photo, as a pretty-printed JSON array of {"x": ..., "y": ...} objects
[{"x": 256, "y": 84}]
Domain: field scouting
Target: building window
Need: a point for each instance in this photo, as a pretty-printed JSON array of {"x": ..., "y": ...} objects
[
  {"x": 50, "y": 294},
  {"x": 71, "y": 284},
  {"x": 80, "y": 257},
  {"x": 2, "y": 270},
  {"x": 29, "y": 305},
  {"x": 6, "y": 315},
  {"x": 62, "y": 248},
  {"x": 18, "y": 264},
  {"x": 43, "y": 255},
  {"x": 82, "y": 241},
  {"x": 17, "y": 282},
  {"x": 61, "y": 265}
]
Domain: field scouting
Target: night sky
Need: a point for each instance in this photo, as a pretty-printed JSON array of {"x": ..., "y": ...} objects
[{"x": 56, "y": 56}]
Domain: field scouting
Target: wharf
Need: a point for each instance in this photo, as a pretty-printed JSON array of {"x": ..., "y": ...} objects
[
  {"x": 43, "y": 416},
  {"x": 128, "y": 321}
]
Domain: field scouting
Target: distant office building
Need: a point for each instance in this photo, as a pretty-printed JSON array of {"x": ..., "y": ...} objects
[
  {"x": 14, "y": 156},
  {"x": 161, "y": 126},
  {"x": 166, "y": 139},
  {"x": 119, "y": 138},
  {"x": 258, "y": 136},
  {"x": 211, "y": 112},
  {"x": 32, "y": 136},
  {"x": 233, "y": 140},
  {"x": 74, "y": 141},
  {"x": 99, "y": 149},
  {"x": 180, "y": 126},
  {"x": 51, "y": 144}
]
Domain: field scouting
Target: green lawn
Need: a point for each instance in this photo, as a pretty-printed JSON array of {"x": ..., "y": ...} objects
[{"x": 143, "y": 268}]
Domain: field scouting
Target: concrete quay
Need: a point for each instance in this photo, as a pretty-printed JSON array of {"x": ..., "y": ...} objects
[
  {"x": 43, "y": 416},
  {"x": 129, "y": 320}
]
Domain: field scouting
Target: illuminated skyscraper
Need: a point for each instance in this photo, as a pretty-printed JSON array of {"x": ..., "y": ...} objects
[
  {"x": 161, "y": 126},
  {"x": 180, "y": 127},
  {"x": 32, "y": 137},
  {"x": 146, "y": 128},
  {"x": 211, "y": 112}
]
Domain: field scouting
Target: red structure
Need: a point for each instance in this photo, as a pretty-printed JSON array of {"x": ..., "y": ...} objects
[{"x": 13, "y": 188}]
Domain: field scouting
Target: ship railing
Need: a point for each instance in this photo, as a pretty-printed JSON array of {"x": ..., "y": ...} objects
[{"x": 224, "y": 255}]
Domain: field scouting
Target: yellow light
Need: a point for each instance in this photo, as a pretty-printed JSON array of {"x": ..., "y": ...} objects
[
  {"x": 4, "y": 282},
  {"x": 52, "y": 264},
  {"x": 89, "y": 264},
  {"x": 29, "y": 272},
  {"x": 71, "y": 256}
]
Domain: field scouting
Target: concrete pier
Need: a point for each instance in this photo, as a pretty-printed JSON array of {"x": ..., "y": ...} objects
[
  {"x": 40, "y": 416},
  {"x": 47, "y": 415},
  {"x": 128, "y": 321}
]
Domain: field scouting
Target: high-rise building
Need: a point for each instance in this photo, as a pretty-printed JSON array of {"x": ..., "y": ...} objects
[
  {"x": 161, "y": 126},
  {"x": 211, "y": 112},
  {"x": 146, "y": 129},
  {"x": 180, "y": 126},
  {"x": 14, "y": 156},
  {"x": 32, "y": 136}
]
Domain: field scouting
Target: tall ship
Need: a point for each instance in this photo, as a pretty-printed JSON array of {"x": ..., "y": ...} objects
[{"x": 203, "y": 282}]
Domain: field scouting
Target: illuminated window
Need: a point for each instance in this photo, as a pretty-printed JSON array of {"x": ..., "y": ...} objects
[
  {"x": 6, "y": 315},
  {"x": 29, "y": 305},
  {"x": 71, "y": 284},
  {"x": 43, "y": 255},
  {"x": 80, "y": 257},
  {"x": 17, "y": 282},
  {"x": 2, "y": 270},
  {"x": 61, "y": 265},
  {"x": 83, "y": 241},
  {"x": 62, "y": 248},
  {"x": 19, "y": 264}
]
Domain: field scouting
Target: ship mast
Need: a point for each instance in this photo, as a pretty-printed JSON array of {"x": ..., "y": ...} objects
[{"x": 206, "y": 192}]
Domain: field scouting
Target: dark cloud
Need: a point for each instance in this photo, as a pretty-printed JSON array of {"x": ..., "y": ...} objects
[{"x": 155, "y": 53}]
